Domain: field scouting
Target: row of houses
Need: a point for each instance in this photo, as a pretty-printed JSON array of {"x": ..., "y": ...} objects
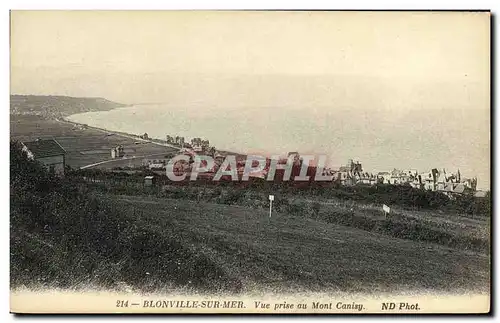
[
  {"x": 177, "y": 140},
  {"x": 433, "y": 180}
]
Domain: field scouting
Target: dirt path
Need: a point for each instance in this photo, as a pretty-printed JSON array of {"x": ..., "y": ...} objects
[{"x": 120, "y": 159}]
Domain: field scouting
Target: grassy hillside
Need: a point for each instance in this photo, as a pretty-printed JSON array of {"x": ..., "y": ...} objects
[
  {"x": 63, "y": 236},
  {"x": 293, "y": 252},
  {"x": 70, "y": 235},
  {"x": 447, "y": 227},
  {"x": 58, "y": 106}
]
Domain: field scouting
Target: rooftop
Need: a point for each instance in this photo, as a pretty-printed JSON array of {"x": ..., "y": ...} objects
[
  {"x": 480, "y": 194},
  {"x": 460, "y": 188},
  {"x": 45, "y": 148}
]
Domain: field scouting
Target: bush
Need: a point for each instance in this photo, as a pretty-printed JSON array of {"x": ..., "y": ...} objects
[
  {"x": 231, "y": 197},
  {"x": 402, "y": 228},
  {"x": 309, "y": 210}
]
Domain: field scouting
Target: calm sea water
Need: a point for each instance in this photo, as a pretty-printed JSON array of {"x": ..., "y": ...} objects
[{"x": 380, "y": 139}]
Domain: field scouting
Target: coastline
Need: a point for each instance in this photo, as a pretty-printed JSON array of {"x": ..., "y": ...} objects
[
  {"x": 117, "y": 133},
  {"x": 155, "y": 141}
]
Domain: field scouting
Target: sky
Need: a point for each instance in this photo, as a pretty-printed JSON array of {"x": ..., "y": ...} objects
[{"x": 424, "y": 76}]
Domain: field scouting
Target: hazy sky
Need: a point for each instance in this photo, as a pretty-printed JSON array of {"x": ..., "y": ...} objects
[
  {"x": 432, "y": 67},
  {"x": 126, "y": 54}
]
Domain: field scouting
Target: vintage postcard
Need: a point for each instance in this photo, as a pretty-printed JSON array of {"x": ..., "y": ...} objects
[{"x": 268, "y": 162}]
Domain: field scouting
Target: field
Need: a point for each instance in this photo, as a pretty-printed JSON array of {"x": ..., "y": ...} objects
[
  {"x": 292, "y": 253},
  {"x": 83, "y": 146}
]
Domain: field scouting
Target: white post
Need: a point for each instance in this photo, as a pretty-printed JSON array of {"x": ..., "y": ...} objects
[
  {"x": 271, "y": 199},
  {"x": 386, "y": 210}
]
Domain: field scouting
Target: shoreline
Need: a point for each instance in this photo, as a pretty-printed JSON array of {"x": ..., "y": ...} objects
[
  {"x": 117, "y": 133},
  {"x": 137, "y": 137}
]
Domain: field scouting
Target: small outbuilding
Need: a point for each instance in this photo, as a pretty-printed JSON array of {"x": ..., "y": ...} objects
[
  {"x": 49, "y": 152},
  {"x": 149, "y": 180}
]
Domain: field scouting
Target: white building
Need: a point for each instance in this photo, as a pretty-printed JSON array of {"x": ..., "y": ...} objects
[{"x": 48, "y": 152}]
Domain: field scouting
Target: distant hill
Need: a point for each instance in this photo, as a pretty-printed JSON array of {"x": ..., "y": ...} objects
[{"x": 58, "y": 106}]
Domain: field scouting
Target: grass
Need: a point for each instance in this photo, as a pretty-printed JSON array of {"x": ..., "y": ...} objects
[
  {"x": 155, "y": 244},
  {"x": 434, "y": 226},
  {"x": 457, "y": 233},
  {"x": 289, "y": 251}
]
